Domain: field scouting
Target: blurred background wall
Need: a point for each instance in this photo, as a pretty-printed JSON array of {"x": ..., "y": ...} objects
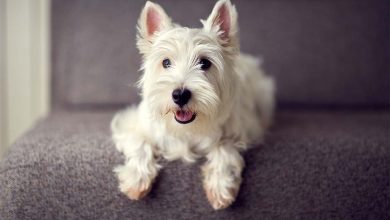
[{"x": 24, "y": 66}]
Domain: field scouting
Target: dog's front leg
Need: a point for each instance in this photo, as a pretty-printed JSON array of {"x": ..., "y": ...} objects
[
  {"x": 222, "y": 175},
  {"x": 140, "y": 169}
]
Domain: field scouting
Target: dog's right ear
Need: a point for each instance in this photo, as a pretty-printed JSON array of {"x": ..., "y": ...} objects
[{"x": 152, "y": 20}]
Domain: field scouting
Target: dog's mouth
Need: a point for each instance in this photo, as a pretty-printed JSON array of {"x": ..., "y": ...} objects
[{"x": 184, "y": 116}]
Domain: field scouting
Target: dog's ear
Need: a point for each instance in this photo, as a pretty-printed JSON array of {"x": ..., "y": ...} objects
[
  {"x": 223, "y": 21},
  {"x": 152, "y": 20}
]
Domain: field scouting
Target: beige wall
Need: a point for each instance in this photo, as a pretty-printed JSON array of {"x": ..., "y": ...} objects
[
  {"x": 24, "y": 92},
  {"x": 2, "y": 77}
]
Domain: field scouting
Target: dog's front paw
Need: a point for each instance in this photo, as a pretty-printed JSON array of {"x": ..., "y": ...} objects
[
  {"x": 136, "y": 193},
  {"x": 133, "y": 183},
  {"x": 221, "y": 198},
  {"x": 222, "y": 176},
  {"x": 221, "y": 187}
]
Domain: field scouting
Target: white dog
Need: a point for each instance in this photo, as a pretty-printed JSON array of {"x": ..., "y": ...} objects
[{"x": 200, "y": 97}]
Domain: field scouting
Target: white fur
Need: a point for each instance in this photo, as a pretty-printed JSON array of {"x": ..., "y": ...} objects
[{"x": 233, "y": 101}]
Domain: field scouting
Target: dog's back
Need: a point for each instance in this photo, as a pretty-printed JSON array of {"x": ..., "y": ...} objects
[{"x": 255, "y": 95}]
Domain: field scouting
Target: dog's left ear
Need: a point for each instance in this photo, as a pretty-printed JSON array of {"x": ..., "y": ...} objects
[
  {"x": 223, "y": 21},
  {"x": 152, "y": 20}
]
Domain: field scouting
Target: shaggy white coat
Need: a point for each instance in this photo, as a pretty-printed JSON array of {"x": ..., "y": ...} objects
[{"x": 233, "y": 102}]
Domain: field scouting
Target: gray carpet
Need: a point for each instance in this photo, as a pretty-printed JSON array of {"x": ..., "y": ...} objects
[{"x": 314, "y": 165}]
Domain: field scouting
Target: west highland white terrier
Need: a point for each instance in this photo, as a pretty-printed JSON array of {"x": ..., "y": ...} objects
[{"x": 200, "y": 97}]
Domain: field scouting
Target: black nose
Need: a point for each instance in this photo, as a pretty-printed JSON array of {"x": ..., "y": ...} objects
[{"x": 181, "y": 96}]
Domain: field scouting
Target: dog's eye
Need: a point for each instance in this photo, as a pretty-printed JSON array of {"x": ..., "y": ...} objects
[
  {"x": 205, "y": 64},
  {"x": 166, "y": 63}
]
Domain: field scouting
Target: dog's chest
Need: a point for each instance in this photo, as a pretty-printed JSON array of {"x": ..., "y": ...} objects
[{"x": 187, "y": 148}]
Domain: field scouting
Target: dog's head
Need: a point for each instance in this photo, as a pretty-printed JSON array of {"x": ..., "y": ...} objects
[{"x": 188, "y": 73}]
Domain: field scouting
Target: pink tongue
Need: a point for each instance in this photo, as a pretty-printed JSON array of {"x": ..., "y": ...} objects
[{"x": 183, "y": 115}]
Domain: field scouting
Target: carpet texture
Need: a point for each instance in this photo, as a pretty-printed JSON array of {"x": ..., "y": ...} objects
[{"x": 314, "y": 165}]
